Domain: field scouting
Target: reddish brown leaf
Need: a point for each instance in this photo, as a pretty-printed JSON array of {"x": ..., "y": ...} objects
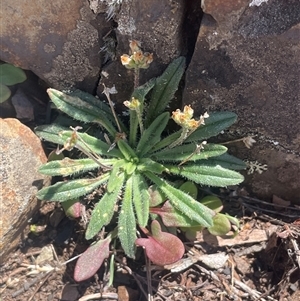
[
  {"x": 91, "y": 260},
  {"x": 161, "y": 247}
]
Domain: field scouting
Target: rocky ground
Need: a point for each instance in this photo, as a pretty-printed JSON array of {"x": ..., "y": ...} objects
[{"x": 261, "y": 263}]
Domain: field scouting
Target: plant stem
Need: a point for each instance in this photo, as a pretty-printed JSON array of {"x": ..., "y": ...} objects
[
  {"x": 139, "y": 116},
  {"x": 136, "y": 77},
  {"x": 182, "y": 137},
  {"x": 196, "y": 151},
  {"x": 106, "y": 92},
  {"x": 233, "y": 141}
]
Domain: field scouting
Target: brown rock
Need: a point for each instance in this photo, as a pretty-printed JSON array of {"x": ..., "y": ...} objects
[
  {"x": 247, "y": 61},
  {"x": 59, "y": 41},
  {"x": 21, "y": 156}
]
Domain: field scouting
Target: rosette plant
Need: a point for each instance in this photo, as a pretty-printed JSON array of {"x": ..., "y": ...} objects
[{"x": 131, "y": 158}]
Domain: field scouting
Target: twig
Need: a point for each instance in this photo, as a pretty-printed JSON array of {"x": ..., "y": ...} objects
[
  {"x": 255, "y": 208},
  {"x": 255, "y": 294},
  {"x": 39, "y": 286},
  {"x": 207, "y": 272},
  {"x": 247, "y": 289},
  {"x": 27, "y": 285},
  {"x": 148, "y": 272},
  {"x": 269, "y": 204},
  {"x": 111, "y": 296}
]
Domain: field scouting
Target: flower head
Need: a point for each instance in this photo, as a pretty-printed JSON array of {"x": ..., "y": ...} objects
[
  {"x": 185, "y": 119},
  {"x": 133, "y": 104},
  {"x": 137, "y": 58}
]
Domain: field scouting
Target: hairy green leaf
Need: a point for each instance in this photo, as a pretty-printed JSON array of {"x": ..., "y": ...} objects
[
  {"x": 126, "y": 150},
  {"x": 210, "y": 175},
  {"x": 127, "y": 223},
  {"x": 165, "y": 87},
  {"x": 147, "y": 164},
  {"x": 57, "y": 134},
  {"x": 87, "y": 97},
  {"x": 226, "y": 161},
  {"x": 183, "y": 202},
  {"x": 50, "y": 133},
  {"x": 216, "y": 123},
  {"x": 81, "y": 110},
  {"x": 140, "y": 94},
  {"x": 151, "y": 135},
  {"x": 130, "y": 167},
  {"x": 114, "y": 173},
  {"x": 63, "y": 191},
  {"x": 188, "y": 151},
  {"x": 69, "y": 166},
  {"x": 104, "y": 209},
  {"x": 141, "y": 198}
]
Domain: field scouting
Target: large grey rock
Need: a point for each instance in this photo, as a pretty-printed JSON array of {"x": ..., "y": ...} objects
[
  {"x": 21, "y": 156},
  {"x": 246, "y": 60},
  {"x": 59, "y": 41}
]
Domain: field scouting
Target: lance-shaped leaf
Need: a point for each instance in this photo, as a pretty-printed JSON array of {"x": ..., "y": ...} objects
[
  {"x": 146, "y": 164},
  {"x": 63, "y": 191},
  {"x": 127, "y": 223},
  {"x": 69, "y": 166},
  {"x": 226, "y": 161},
  {"x": 50, "y": 133},
  {"x": 100, "y": 104},
  {"x": 127, "y": 151},
  {"x": 104, "y": 209},
  {"x": 141, "y": 199},
  {"x": 114, "y": 175},
  {"x": 207, "y": 174},
  {"x": 91, "y": 260},
  {"x": 184, "y": 202},
  {"x": 59, "y": 135},
  {"x": 81, "y": 110},
  {"x": 165, "y": 87},
  {"x": 162, "y": 248},
  {"x": 152, "y": 134},
  {"x": 140, "y": 94},
  {"x": 188, "y": 151},
  {"x": 93, "y": 101},
  {"x": 216, "y": 123}
]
